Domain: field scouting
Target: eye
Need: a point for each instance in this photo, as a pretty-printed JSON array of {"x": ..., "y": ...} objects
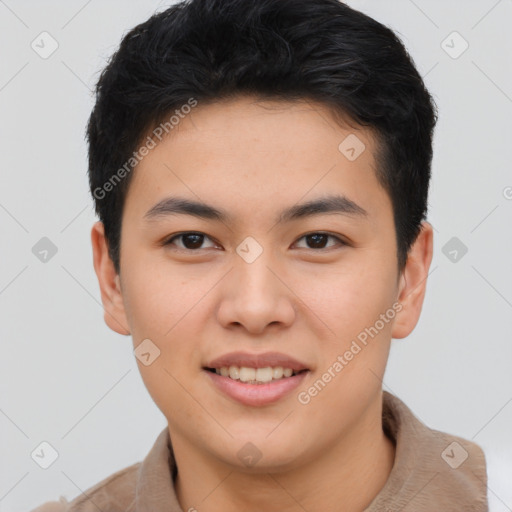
[
  {"x": 193, "y": 241},
  {"x": 189, "y": 241},
  {"x": 318, "y": 240}
]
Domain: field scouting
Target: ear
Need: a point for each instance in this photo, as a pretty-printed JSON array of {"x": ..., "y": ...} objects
[
  {"x": 413, "y": 283},
  {"x": 109, "y": 281}
]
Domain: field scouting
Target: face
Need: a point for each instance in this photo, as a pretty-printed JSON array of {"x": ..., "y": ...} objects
[{"x": 255, "y": 279}]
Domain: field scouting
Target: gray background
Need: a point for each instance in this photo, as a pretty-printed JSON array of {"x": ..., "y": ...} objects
[{"x": 68, "y": 380}]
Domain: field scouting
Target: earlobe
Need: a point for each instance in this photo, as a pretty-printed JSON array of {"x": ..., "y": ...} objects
[
  {"x": 413, "y": 283},
  {"x": 109, "y": 282}
]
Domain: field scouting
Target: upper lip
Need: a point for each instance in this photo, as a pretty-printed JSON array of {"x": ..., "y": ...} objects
[{"x": 262, "y": 360}]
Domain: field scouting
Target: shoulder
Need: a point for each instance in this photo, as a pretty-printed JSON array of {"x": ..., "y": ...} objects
[
  {"x": 458, "y": 470},
  {"x": 117, "y": 492},
  {"x": 439, "y": 450},
  {"x": 431, "y": 467}
]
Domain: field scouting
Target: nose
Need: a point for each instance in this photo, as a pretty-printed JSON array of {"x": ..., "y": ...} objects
[{"x": 255, "y": 296}]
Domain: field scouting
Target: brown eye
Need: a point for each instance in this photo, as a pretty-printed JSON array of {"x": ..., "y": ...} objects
[
  {"x": 319, "y": 240},
  {"x": 189, "y": 241}
]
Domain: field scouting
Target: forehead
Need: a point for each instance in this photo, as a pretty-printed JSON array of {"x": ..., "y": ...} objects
[{"x": 254, "y": 154}]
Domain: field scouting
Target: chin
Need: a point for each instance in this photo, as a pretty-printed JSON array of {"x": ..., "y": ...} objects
[{"x": 262, "y": 452}]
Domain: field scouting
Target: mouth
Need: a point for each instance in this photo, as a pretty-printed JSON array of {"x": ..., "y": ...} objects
[
  {"x": 255, "y": 379},
  {"x": 255, "y": 376}
]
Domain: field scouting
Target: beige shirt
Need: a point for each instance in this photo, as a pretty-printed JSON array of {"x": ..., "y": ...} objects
[{"x": 433, "y": 471}]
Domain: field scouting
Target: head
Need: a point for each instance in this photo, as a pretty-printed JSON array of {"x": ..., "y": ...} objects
[{"x": 305, "y": 132}]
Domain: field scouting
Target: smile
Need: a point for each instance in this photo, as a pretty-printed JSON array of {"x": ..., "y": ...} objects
[
  {"x": 254, "y": 392},
  {"x": 255, "y": 375}
]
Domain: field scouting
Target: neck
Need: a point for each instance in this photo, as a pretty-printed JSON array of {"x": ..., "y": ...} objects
[{"x": 350, "y": 473}]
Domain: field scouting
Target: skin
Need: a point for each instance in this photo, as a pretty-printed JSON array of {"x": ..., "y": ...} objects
[{"x": 254, "y": 158}]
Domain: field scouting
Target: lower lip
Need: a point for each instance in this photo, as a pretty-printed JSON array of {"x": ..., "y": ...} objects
[{"x": 256, "y": 394}]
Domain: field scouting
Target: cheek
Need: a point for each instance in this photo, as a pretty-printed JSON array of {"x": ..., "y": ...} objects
[
  {"x": 163, "y": 308},
  {"x": 347, "y": 301},
  {"x": 353, "y": 365},
  {"x": 161, "y": 311},
  {"x": 160, "y": 303}
]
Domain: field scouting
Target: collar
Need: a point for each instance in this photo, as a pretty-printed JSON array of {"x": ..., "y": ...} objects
[{"x": 432, "y": 470}]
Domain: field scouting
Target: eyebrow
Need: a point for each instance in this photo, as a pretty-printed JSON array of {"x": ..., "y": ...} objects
[{"x": 333, "y": 204}]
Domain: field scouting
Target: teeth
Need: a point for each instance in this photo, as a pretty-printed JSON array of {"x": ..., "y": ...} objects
[
  {"x": 247, "y": 374},
  {"x": 264, "y": 374},
  {"x": 234, "y": 372},
  {"x": 277, "y": 372},
  {"x": 254, "y": 375}
]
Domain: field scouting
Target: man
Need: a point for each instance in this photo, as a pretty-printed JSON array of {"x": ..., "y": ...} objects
[{"x": 261, "y": 170}]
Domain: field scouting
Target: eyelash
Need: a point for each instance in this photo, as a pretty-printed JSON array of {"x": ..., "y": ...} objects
[{"x": 169, "y": 241}]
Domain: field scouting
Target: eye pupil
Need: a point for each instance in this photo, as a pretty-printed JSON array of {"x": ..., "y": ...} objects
[
  {"x": 317, "y": 239},
  {"x": 197, "y": 240}
]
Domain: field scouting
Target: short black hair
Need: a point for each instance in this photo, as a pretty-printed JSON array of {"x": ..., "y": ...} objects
[{"x": 209, "y": 50}]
